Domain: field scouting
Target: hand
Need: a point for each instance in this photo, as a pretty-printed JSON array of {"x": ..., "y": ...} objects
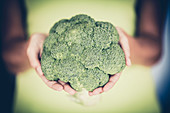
[
  {"x": 123, "y": 41},
  {"x": 34, "y": 51}
]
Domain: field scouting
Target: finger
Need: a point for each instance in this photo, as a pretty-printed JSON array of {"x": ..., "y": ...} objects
[
  {"x": 33, "y": 57},
  {"x": 69, "y": 90},
  {"x": 44, "y": 78},
  {"x": 57, "y": 87},
  {"x": 50, "y": 83},
  {"x": 111, "y": 82},
  {"x": 124, "y": 40},
  {"x": 97, "y": 91},
  {"x": 108, "y": 86},
  {"x": 115, "y": 77},
  {"x": 41, "y": 75},
  {"x": 61, "y": 82},
  {"x": 34, "y": 49},
  {"x": 32, "y": 53},
  {"x": 54, "y": 85},
  {"x": 67, "y": 87},
  {"x": 124, "y": 44}
]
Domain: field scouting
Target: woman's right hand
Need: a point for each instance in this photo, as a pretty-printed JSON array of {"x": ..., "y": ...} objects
[{"x": 34, "y": 51}]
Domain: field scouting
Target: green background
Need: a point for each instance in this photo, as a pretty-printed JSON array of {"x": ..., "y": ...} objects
[{"x": 133, "y": 93}]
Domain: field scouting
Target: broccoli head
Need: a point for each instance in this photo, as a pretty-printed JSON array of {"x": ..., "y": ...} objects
[{"x": 82, "y": 52}]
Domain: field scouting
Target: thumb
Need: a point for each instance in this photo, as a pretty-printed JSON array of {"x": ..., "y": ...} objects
[
  {"x": 123, "y": 40},
  {"x": 33, "y": 52}
]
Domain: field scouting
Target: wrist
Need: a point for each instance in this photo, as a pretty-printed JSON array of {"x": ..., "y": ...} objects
[
  {"x": 144, "y": 51},
  {"x": 15, "y": 57}
]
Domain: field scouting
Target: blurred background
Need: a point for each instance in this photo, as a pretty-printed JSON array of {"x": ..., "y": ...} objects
[{"x": 140, "y": 88}]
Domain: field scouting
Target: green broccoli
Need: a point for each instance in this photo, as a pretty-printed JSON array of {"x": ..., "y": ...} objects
[{"x": 82, "y": 52}]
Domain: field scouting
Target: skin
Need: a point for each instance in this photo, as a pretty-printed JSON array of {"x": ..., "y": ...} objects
[
  {"x": 14, "y": 43},
  {"x": 144, "y": 49},
  {"x": 34, "y": 50}
]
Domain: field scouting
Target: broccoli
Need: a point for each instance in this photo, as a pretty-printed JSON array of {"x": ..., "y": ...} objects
[{"x": 82, "y": 52}]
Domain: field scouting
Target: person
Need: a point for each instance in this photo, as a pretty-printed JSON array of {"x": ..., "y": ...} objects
[
  {"x": 13, "y": 58},
  {"x": 144, "y": 48},
  {"x": 17, "y": 54},
  {"x": 161, "y": 70}
]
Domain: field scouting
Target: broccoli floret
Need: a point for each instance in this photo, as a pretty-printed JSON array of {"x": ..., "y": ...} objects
[
  {"x": 47, "y": 63},
  {"x": 60, "y": 26},
  {"x": 112, "y": 59},
  {"x": 89, "y": 79},
  {"x": 104, "y": 34},
  {"x": 91, "y": 57},
  {"x": 82, "y": 52},
  {"x": 61, "y": 51}
]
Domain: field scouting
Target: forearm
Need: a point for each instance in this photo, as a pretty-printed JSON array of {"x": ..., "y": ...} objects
[
  {"x": 144, "y": 50},
  {"x": 13, "y": 34},
  {"x": 147, "y": 45},
  {"x": 14, "y": 55}
]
